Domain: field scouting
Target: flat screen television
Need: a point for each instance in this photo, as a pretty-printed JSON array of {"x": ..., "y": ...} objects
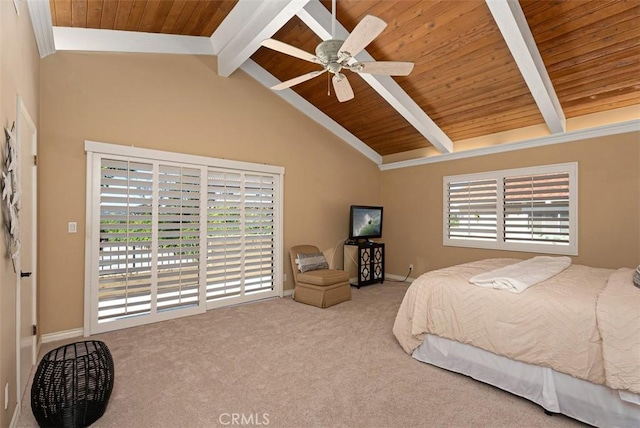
[{"x": 365, "y": 222}]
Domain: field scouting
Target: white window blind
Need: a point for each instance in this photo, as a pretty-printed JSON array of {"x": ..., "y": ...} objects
[
  {"x": 241, "y": 231},
  {"x": 526, "y": 209},
  {"x": 170, "y": 235},
  {"x": 259, "y": 221},
  {"x": 472, "y": 209},
  {"x": 225, "y": 235},
  {"x": 124, "y": 276},
  {"x": 536, "y": 208},
  {"x": 178, "y": 237}
]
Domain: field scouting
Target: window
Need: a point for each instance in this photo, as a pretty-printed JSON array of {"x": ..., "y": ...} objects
[
  {"x": 170, "y": 235},
  {"x": 526, "y": 209}
]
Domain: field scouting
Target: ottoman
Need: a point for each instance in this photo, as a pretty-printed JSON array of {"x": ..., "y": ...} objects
[{"x": 72, "y": 385}]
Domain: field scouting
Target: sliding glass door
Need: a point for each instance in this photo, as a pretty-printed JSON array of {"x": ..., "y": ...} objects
[{"x": 167, "y": 239}]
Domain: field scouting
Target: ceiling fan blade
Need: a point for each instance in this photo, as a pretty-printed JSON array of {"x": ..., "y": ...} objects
[
  {"x": 389, "y": 68},
  {"x": 364, "y": 33},
  {"x": 289, "y": 83},
  {"x": 342, "y": 88},
  {"x": 289, "y": 50}
]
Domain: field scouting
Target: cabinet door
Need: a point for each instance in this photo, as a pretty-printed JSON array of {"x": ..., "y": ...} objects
[
  {"x": 377, "y": 263},
  {"x": 366, "y": 257}
]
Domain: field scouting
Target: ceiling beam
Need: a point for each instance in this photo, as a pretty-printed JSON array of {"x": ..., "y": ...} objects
[
  {"x": 97, "y": 40},
  {"x": 516, "y": 33},
  {"x": 250, "y": 22},
  {"x": 319, "y": 20},
  {"x": 40, "y": 13}
]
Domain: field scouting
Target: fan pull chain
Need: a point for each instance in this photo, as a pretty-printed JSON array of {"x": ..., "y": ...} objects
[{"x": 328, "y": 84}]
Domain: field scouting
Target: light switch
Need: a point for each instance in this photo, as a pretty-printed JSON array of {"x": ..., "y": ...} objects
[{"x": 73, "y": 227}]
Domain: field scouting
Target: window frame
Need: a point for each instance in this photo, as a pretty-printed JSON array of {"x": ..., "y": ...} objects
[{"x": 499, "y": 243}]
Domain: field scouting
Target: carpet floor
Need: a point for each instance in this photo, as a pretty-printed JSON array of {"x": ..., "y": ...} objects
[{"x": 279, "y": 363}]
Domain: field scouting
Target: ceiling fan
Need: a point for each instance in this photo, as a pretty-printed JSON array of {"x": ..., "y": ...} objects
[{"x": 335, "y": 55}]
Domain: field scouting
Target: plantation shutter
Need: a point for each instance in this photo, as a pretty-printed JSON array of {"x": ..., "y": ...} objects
[
  {"x": 259, "y": 219},
  {"x": 240, "y": 235},
  {"x": 472, "y": 209},
  {"x": 178, "y": 237},
  {"x": 149, "y": 249},
  {"x": 224, "y": 235},
  {"x": 530, "y": 209},
  {"x": 124, "y": 275},
  {"x": 536, "y": 208}
]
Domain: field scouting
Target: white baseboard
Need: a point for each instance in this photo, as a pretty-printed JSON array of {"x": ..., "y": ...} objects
[
  {"x": 79, "y": 332},
  {"x": 62, "y": 335}
]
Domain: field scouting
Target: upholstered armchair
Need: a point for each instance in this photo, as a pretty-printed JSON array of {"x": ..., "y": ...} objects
[{"x": 315, "y": 283}]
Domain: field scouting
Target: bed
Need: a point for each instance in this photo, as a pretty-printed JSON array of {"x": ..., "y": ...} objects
[{"x": 570, "y": 343}]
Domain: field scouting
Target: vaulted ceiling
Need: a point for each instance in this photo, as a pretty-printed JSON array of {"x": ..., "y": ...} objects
[{"x": 481, "y": 67}]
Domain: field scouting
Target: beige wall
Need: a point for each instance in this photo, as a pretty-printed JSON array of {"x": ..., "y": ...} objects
[
  {"x": 178, "y": 103},
  {"x": 19, "y": 75},
  {"x": 608, "y": 204}
]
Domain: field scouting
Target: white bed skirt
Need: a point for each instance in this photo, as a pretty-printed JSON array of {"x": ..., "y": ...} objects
[{"x": 554, "y": 391}]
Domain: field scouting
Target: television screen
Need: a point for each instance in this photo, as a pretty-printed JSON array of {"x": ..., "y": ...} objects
[{"x": 365, "y": 222}]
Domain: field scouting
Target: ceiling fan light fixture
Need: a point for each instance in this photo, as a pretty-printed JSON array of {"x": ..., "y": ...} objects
[
  {"x": 334, "y": 55},
  {"x": 327, "y": 51}
]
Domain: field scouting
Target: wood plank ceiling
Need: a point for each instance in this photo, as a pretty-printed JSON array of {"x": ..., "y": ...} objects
[
  {"x": 465, "y": 78},
  {"x": 188, "y": 18}
]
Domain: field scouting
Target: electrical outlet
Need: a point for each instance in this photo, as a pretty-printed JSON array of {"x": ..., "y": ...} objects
[{"x": 411, "y": 267}]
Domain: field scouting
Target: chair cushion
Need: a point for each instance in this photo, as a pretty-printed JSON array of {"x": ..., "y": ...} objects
[{"x": 323, "y": 277}]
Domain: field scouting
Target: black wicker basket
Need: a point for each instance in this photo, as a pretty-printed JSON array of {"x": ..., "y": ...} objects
[{"x": 72, "y": 385}]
